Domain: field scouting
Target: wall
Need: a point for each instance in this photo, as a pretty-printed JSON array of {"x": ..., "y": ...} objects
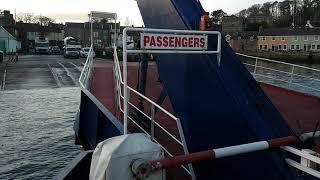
[
  {"x": 270, "y": 44},
  {"x": 9, "y": 40},
  {"x": 244, "y": 45},
  {"x": 305, "y": 45}
]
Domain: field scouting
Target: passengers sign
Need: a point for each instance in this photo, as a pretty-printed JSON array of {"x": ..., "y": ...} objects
[{"x": 172, "y": 41}]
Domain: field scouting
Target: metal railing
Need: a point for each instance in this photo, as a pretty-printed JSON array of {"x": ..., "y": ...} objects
[
  {"x": 291, "y": 76},
  {"x": 309, "y": 160},
  {"x": 120, "y": 104},
  {"x": 87, "y": 69}
]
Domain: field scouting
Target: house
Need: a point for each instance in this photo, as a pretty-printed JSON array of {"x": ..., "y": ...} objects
[
  {"x": 305, "y": 39},
  {"x": 8, "y": 43},
  {"x": 27, "y": 32},
  {"x": 245, "y": 41},
  {"x": 7, "y": 21},
  {"x": 276, "y": 39},
  {"x": 102, "y": 33},
  {"x": 284, "y": 39}
]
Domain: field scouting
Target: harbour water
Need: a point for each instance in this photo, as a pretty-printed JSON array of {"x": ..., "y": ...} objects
[{"x": 36, "y": 132}]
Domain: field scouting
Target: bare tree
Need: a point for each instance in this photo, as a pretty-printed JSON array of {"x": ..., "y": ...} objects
[
  {"x": 43, "y": 20},
  {"x": 25, "y": 17}
]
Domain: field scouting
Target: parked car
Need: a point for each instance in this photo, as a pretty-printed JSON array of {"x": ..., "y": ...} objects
[
  {"x": 71, "y": 52},
  {"x": 55, "y": 49},
  {"x": 85, "y": 51}
]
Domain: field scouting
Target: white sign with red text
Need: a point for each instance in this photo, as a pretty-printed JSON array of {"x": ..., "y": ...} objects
[{"x": 173, "y": 41}]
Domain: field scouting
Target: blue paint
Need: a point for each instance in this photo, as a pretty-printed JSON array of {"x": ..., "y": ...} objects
[{"x": 95, "y": 122}]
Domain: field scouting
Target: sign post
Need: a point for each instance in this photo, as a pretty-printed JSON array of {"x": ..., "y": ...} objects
[{"x": 166, "y": 41}]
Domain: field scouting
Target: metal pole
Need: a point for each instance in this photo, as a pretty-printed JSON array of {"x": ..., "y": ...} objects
[
  {"x": 177, "y": 161},
  {"x": 91, "y": 30},
  {"x": 115, "y": 30},
  {"x": 255, "y": 67},
  {"x": 125, "y": 83},
  {"x": 152, "y": 120},
  {"x": 185, "y": 148},
  {"x": 291, "y": 77}
]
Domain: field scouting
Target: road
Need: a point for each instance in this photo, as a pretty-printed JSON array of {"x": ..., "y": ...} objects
[{"x": 40, "y": 71}]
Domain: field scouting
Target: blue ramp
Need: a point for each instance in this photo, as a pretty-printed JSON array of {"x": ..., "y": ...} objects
[{"x": 218, "y": 105}]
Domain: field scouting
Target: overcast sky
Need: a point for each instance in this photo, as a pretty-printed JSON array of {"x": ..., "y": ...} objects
[{"x": 77, "y": 10}]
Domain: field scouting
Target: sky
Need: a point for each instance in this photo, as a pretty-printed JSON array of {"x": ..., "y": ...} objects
[{"x": 127, "y": 10}]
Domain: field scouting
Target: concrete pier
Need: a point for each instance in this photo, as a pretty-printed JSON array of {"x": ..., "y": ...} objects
[{"x": 40, "y": 71}]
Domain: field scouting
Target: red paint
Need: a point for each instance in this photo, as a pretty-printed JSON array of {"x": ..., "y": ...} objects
[
  {"x": 301, "y": 111},
  {"x": 146, "y": 40},
  {"x": 196, "y": 42},
  {"x": 178, "y": 42},
  {"x": 202, "y": 42},
  {"x": 177, "y": 161},
  {"x": 173, "y": 41},
  {"x": 165, "y": 41},
  {"x": 159, "y": 41},
  {"x": 184, "y": 42},
  {"x": 152, "y": 41},
  {"x": 285, "y": 141}
]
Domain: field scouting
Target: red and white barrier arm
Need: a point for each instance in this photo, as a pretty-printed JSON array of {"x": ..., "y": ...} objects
[{"x": 222, "y": 152}]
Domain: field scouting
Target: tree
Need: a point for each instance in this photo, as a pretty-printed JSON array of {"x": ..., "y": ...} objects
[
  {"x": 43, "y": 20},
  {"x": 265, "y": 8},
  {"x": 25, "y": 17},
  {"x": 254, "y": 9},
  {"x": 217, "y": 15},
  {"x": 243, "y": 13}
]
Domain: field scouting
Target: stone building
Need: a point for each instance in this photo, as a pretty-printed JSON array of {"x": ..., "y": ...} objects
[
  {"x": 232, "y": 24},
  {"x": 245, "y": 41},
  {"x": 102, "y": 33}
]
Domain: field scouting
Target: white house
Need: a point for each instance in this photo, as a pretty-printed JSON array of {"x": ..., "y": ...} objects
[{"x": 8, "y": 43}]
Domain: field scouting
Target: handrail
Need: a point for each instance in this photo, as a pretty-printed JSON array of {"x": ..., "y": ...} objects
[
  {"x": 290, "y": 74},
  {"x": 278, "y": 62},
  {"x": 86, "y": 71},
  {"x": 117, "y": 63},
  {"x": 119, "y": 86}
]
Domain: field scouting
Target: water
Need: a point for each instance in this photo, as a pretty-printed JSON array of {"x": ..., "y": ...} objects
[
  {"x": 36, "y": 132},
  {"x": 295, "y": 78}
]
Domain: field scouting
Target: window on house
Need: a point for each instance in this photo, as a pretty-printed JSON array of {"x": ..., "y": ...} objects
[
  {"x": 95, "y": 34},
  {"x": 273, "y": 38},
  {"x": 296, "y": 38},
  {"x": 313, "y": 46},
  {"x": 318, "y": 46},
  {"x": 260, "y": 46},
  {"x": 297, "y": 47},
  {"x": 263, "y": 38},
  {"x": 285, "y": 47},
  {"x": 282, "y": 38},
  {"x": 316, "y": 38},
  {"x": 305, "y": 38},
  {"x": 265, "y": 46},
  {"x": 292, "y": 46},
  {"x": 280, "y": 47}
]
